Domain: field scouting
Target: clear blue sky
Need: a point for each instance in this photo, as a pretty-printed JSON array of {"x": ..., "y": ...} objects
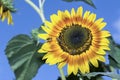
[{"x": 26, "y": 19}]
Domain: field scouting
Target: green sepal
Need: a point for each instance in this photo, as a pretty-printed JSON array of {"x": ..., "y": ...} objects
[{"x": 37, "y": 31}]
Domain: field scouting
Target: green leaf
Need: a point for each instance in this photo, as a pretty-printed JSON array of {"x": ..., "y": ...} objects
[
  {"x": 113, "y": 63},
  {"x": 89, "y": 2},
  {"x": 114, "y": 54},
  {"x": 109, "y": 74},
  {"x": 23, "y": 57}
]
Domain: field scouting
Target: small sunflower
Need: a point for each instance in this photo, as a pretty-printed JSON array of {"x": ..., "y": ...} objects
[
  {"x": 5, "y": 10},
  {"x": 75, "y": 39}
]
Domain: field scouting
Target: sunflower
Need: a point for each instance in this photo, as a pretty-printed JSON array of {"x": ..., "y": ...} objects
[
  {"x": 75, "y": 39},
  {"x": 5, "y": 10}
]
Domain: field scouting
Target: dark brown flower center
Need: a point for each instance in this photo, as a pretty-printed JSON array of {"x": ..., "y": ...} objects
[{"x": 75, "y": 39}]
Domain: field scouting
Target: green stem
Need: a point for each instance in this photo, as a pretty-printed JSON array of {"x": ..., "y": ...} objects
[
  {"x": 62, "y": 74},
  {"x": 38, "y": 10}
]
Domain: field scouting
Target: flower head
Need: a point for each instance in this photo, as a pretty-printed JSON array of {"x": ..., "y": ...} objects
[
  {"x": 5, "y": 10},
  {"x": 75, "y": 39}
]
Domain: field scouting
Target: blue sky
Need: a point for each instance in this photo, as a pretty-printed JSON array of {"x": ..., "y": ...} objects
[{"x": 26, "y": 19}]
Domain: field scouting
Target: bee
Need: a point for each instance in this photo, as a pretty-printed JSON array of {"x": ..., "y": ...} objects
[{"x": 49, "y": 39}]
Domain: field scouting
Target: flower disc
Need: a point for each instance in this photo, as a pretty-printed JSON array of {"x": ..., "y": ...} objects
[{"x": 73, "y": 39}]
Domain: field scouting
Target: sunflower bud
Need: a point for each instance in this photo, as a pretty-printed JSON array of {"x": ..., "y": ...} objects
[{"x": 6, "y": 8}]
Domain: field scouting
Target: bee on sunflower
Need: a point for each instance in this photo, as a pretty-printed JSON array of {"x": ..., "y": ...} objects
[
  {"x": 6, "y": 8},
  {"x": 75, "y": 39}
]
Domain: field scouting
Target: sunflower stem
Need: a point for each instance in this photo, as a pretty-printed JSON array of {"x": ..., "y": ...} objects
[
  {"x": 39, "y": 9},
  {"x": 62, "y": 74}
]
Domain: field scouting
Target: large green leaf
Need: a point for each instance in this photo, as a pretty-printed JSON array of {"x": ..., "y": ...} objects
[
  {"x": 89, "y": 2},
  {"x": 114, "y": 54},
  {"x": 23, "y": 57}
]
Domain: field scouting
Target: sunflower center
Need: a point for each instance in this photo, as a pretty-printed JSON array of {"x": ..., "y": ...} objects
[{"x": 75, "y": 39}]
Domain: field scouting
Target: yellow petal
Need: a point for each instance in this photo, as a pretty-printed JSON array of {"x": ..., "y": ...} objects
[
  {"x": 86, "y": 14},
  {"x": 92, "y": 57},
  {"x": 52, "y": 60},
  {"x": 105, "y": 33},
  {"x": 80, "y": 11},
  {"x": 49, "y": 24},
  {"x": 70, "y": 64},
  {"x": 102, "y": 25},
  {"x": 100, "y": 43},
  {"x": 54, "y": 18},
  {"x": 47, "y": 30},
  {"x": 101, "y": 52},
  {"x": 43, "y": 36},
  {"x": 61, "y": 64},
  {"x": 101, "y": 58},
  {"x": 94, "y": 62},
  {"x": 73, "y": 12},
  {"x": 66, "y": 20},
  {"x": 75, "y": 69},
  {"x": 70, "y": 69},
  {"x": 46, "y": 56},
  {"x": 67, "y": 13},
  {"x": 1, "y": 10},
  {"x": 82, "y": 68},
  {"x": 101, "y": 34},
  {"x": 76, "y": 64},
  {"x": 81, "y": 64},
  {"x": 58, "y": 55},
  {"x": 45, "y": 47},
  {"x": 105, "y": 40},
  {"x": 105, "y": 47},
  {"x": 85, "y": 20},
  {"x": 59, "y": 13},
  {"x": 97, "y": 22},
  {"x": 85, "y": 61},
  {"x": 4, "y": 15},
  {"x": 9, "y": 18},
  {"x": 92, "y": 17},
  {"x": 42, "y": 51}
]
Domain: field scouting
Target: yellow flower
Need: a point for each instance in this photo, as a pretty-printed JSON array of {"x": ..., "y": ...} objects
[
  {"x": 5, "y": 13},
  {"x": 75, "y": 39}
]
